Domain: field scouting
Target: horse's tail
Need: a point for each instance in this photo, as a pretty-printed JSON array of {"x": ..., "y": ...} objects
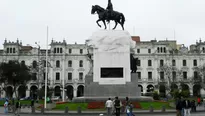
[{"x": 123, "y": 19}]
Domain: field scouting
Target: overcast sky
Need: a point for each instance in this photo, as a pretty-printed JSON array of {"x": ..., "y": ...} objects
[{"x": 72, "y": 19}]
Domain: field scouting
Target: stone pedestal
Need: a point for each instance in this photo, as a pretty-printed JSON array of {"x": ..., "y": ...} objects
[{"x": 111, "y": 74}]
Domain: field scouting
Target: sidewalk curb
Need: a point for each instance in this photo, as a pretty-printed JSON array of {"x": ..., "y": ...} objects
[{"x": 97, "y": 113}]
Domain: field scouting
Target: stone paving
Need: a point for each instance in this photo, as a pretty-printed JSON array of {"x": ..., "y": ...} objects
[{"x": 27, "y": 111}]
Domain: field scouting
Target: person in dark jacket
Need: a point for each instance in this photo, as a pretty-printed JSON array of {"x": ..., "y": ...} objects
[
  {"x": 187, "y": 107},
  {"x": 193, "y": 106},
  {"x": 179, "y": 107}
]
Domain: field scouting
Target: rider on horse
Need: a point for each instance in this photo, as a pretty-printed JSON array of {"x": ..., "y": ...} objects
[{"x": 109, "y": 10}]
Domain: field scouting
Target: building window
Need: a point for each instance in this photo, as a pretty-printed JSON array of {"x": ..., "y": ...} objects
[
  {"x": 69, "y": 63},
  {"x": 81, "y": 51},
  {"x": 44, "y": 76},
  {"x": 149, "y": 75},
  {"x": 195, "y": 62},
  {"x": 195, "y": 75},
  {"x": 80, "y": 63},
  {"x": 203, "y": 49},
  {"x": 57, "y": 50},
  {"x": 158, "y": 50},
  {"x": 138, "y": 50},
  {"x": 161, "y": 62},
  {"x": 57, "y": 63},
  {"x": 149, "y": 51},
  {"x": 61, "y": 50},
  {"x": 174, "y": 76},
  {"x": 161, "y": 50},
  {"x": 161, "y": 75},
  {"x": 10, "y": 50},
  {"x": 23, "y": 62},
  {"x": 69, "y": 76},
  {"x": 80, "y": 76},
  {"x": 14, "y": 50},
  {"x": 70, "y": 51},
  {"x": 7, "y": 50},
  {"x": 138, "y": 62},
  {"x": 44, "y": 63},
  {"x": 54, "y": 50},
  {"x": 139, "y": 75},
  {"x": 57, "y": 76},
  {"x": 173, "y": 63},
  {"x": 34, "y": 78},
  {"x": 149, "y": 62},
  {"x": 165, "y": 50},
  {"x": 184, "y": 62},
  {"x": 185, "y": 75},
  {"x": 34, "y": 64}
]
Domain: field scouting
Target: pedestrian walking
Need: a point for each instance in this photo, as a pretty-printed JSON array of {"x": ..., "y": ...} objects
[
  {"x": 127, "y": 109},
  {"x": 187, "y": 107},
  {"x": 108, "y": 106},
  {"x": 179, "y": 107},
  {"x": 117, "y": 105},
  {"x": 17, "y": 107},
  {"x": 6, "y": 106},
  {"x": 131, "y": 109}
]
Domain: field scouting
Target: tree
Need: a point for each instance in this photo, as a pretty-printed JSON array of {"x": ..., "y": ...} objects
[
  {"x": 168, "y": 73},
  {"x": 15, "y": 74}
]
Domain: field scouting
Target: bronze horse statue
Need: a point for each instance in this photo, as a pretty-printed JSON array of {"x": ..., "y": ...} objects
[{"x": 104, "y": 16}]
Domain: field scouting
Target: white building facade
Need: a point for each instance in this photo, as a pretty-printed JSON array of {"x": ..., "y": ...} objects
[{"x": 68, "y": 64}]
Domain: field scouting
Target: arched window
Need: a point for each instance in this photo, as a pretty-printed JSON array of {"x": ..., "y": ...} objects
[
  {"x": 57, "y": 63},
  {"x": 158, "y": 49},
  {"x": 10, "y": 50},
  {"x": 14, "y": 50},
  {"x": 34, "y": 64},
  {"x": 23, "y": 62},
  {"x": 61, "y": 50},
  {"x": 165, "y": 50},
  {"x": 54, "y": 50},
  {"x": 57, "y": 50},
  {"x": 161, "y": 50}
]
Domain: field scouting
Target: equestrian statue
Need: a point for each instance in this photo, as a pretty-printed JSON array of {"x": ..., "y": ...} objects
[{"x": 108, "y": 14}]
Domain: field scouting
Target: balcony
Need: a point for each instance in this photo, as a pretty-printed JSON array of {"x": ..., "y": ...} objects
[
  {"x": 69, "y": 81},
  {"x": 151, "y": 80},
  {"x": 57, "y": 81}
]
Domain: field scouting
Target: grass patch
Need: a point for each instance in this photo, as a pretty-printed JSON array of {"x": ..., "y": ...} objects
[
  {"x": 71, "y": 106},
  {"x": 155, "y": 105}
]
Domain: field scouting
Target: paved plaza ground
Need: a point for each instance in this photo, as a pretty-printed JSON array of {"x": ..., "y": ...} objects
[
  {"x": 27, "y": 112},
  {"x": 196, "y": 114}
]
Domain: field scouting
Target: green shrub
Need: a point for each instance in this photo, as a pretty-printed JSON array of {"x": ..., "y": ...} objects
[
  {"x": 156, "y": 95},
  {"x": 175, "y": 94},
  {"x": 185, "y": 93}
]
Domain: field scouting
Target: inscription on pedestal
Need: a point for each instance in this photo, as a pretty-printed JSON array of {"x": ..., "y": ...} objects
[{"x": 116, "y": 72}]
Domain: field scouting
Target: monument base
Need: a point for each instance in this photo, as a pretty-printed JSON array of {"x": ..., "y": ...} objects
[
  {"x": 103, "y": 99},
  {"x": 94, "y": 92}
]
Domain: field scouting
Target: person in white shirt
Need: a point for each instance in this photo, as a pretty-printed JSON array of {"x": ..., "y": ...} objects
[{"x": 108, "y": 105}]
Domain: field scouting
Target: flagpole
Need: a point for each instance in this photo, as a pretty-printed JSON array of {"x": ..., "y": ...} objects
[{"x": 46, "y": 78}]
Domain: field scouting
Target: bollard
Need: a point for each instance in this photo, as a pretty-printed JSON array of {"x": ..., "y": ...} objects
[
  {"x": 163, "y": 108},
  {"x": 66, "y": 110},
  {"x": 79, "y": 110},
  {"x": 42, "y": 110},
  {"x": 33, "y": 110},
  {"x": 151, "y": 109}
]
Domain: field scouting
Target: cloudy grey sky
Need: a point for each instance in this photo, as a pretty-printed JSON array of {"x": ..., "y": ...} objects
[{"x": 72, "y": 19}]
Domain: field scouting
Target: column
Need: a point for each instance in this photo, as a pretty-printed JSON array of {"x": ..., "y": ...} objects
[
  {"x": 27, "y": 93},
  {"x": 3, "y": 95},
  {"x": 75, "y": 92}
]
